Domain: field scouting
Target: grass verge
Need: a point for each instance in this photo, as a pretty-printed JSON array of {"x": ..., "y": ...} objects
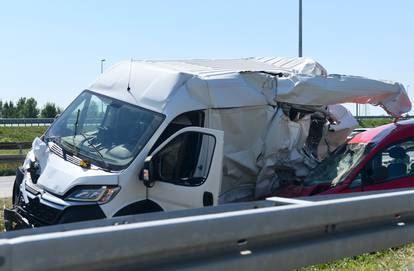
[
  {"x": 9, "y": 169},
  {"x": 4, "y": 203},
  {"x": 13, "y": 152},
  {"x": 17, "y": 134},
  {"x": 401, "y": 258},
  {"x": 368, "y": 123},
  {"x": 21, "y": 134}
]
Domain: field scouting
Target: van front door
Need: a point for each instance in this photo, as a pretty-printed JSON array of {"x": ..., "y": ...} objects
[{"x": 187, "y": 169}]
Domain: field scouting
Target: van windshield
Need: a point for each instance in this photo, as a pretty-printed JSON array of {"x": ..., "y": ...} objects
[
  {"x": 107, "y": 132},
  {"x": 336, "y": 167}
]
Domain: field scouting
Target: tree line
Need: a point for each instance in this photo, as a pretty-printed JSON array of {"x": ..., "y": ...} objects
[{"x": 27, "y": 108}]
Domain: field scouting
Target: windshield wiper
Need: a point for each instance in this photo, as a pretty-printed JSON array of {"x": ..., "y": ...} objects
[
  {"x": 88, "y": 141},
  {"x": 96, "y": 150},
  {"x": 76, "y": 131}
]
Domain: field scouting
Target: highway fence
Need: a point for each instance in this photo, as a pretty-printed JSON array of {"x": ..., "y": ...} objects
[{"x": 26, "y": 122}]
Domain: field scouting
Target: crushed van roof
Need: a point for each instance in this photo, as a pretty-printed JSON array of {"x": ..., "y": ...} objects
[
  {"x": 223, "y": 83},
  {"x": 214, "y": 67}
]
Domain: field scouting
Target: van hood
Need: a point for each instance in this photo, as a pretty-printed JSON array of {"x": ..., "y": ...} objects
[{"x": 58, "y": 176}]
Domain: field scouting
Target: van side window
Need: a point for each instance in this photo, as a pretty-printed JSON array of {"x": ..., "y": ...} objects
[
  {"x": 193, "y": 118},
  {"x": 185, "y": 160},
  {"x": 395, "y": 161}
]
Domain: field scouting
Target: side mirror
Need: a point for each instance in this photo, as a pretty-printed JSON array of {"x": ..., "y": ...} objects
[{"x": 146, "y": 174}]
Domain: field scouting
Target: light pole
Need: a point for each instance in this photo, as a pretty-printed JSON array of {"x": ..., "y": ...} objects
[
  {"x": 102, "y": 62},
  {"x": 300, "y": 28}
]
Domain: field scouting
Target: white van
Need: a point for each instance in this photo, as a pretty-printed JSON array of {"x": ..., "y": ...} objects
[{"x": 166, "y": 135}]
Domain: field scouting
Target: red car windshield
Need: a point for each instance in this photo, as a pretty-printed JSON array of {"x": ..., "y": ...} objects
[{"x": 337, "y": 166}]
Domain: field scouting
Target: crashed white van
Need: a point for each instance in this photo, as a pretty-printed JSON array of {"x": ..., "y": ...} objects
[{"x": 166, "y": 135}]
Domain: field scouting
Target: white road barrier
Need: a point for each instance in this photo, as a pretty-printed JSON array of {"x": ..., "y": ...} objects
[{"x": 267, "y": 235}]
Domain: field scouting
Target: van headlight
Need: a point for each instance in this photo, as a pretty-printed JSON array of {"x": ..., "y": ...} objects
[{"x": 100, "y": 195}]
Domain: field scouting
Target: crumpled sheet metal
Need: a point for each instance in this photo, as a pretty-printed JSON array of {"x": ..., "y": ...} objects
[
  {"x": 283, "y": 148},
  {"x": 261, "y": 143},
  {"x": 314, "y": 90},
  {"x": 336, "y": 89},
  {"x": 244, "y": 131},
  {"x": 299, "y": 65}
]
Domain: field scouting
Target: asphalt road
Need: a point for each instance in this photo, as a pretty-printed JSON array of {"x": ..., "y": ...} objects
[{"x": 6, "y": 186}]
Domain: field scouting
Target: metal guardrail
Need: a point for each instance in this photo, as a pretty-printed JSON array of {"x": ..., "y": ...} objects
[
  {"x": 25, "y": 122},
  {"x": 13, "y": 146},
  {"x": 4, "y": 159},
  {"x": 229, "y": 237}
]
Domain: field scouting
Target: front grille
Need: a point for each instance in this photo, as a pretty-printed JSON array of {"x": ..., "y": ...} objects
[
  {"x": 41, "y": 212},
  {"x": 62, "y": 154},
  {"x": 73, "y": 159},
  {"x": 56, "y": 149}
]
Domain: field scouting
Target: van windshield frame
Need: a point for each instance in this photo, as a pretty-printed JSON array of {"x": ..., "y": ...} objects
[{"x": 108, "y": 132}]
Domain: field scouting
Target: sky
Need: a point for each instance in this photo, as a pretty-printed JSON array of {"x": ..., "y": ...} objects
[{"x": 51, "y": 50}]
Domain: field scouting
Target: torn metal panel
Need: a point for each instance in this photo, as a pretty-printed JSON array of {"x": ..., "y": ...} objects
[
  {"x": 336, "y": 134},
  {"x": 244, "y": 137},
  {"x": 302, "y": 89}
]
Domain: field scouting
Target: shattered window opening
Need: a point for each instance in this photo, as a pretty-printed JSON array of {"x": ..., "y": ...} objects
[{"x": 336, "y": 167}]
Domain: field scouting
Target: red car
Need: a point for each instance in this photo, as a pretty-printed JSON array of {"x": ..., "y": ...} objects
[{"x": 378, "y": 159}]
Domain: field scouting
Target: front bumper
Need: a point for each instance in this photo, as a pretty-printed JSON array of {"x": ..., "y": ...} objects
[
  {"x": 18, "y": 218},
  {"x": 42, "y": 209},
  {"x": 14, "y": 221}
]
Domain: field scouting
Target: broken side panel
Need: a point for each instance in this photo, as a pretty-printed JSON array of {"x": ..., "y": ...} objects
[
  {"x": 335, "y": 89},
  {"x": 314, "y": 90},
  {"x": 244, "y": 132}
]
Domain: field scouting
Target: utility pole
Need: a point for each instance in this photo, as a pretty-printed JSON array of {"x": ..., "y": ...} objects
[
  {"x": 102, "y": 61},
  {"x": 300, "y": 28}
]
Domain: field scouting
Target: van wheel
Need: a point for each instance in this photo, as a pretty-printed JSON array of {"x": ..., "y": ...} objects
[{"x": 141, "y": 207}]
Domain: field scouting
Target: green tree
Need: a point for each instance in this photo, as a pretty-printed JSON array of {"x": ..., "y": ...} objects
[
  {"x": 9, "y": 110},
  {"x": 50, "y": 110},
  {"x": 20, "y": 107},
  {"x": 1, "y": 109},
  {"x": 27, "y": 108},
  {"x": 30, "y": 109}
]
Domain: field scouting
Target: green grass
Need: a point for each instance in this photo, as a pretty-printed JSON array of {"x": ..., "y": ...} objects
[
  {"x": 21, "y": 134},
  {"x": 365, "y": 123},
  {"x": 9, "y": 169},
  {"x": 17, "y": 134},
  {"x": 13, "y": 152},
  {"x": 401, "y": 258},
  {"x": 4, "y": 203}
]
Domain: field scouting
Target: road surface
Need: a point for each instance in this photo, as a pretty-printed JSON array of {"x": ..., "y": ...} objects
[{"x": 6, "y": 186}]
